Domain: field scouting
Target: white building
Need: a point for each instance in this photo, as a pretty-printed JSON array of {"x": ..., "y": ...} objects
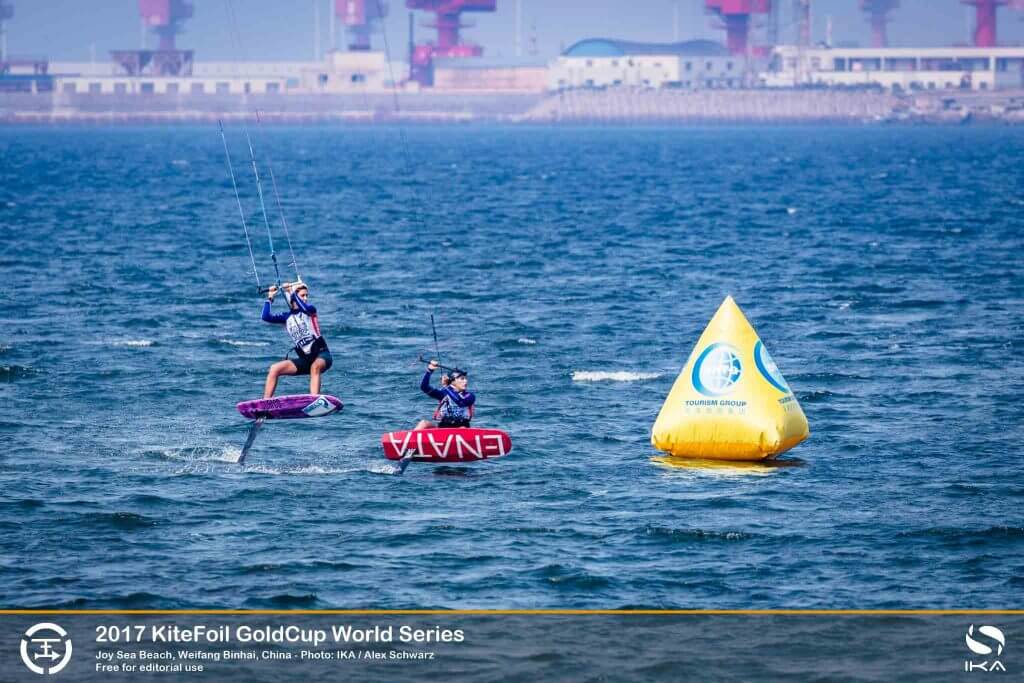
[
  {"x": 340, "y": 72},
  {"x": 208, "y": 78},
  {"x": 602, "y": 63},
  {"x": 931, "y": 68},
  {"x": 353, "y": 72},
  {"x": 490, "y": 74}
]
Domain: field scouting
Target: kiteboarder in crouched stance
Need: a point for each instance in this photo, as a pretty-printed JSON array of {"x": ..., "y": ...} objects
[
  {"x": 313, "y": 358},
  {"x": 456, "y": 404}
]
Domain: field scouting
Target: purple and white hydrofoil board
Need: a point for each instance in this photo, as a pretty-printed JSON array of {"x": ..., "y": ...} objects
[{"x": 290, "y": 407}]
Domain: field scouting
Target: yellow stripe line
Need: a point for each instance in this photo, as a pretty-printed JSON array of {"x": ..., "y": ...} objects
[{"x": 527, "y": 612}]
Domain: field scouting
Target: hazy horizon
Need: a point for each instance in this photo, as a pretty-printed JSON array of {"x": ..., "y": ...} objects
[{"x": 62, "y": 30}]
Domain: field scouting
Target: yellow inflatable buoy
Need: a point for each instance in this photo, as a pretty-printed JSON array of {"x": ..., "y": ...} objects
[{"x": 730, "y": 402}]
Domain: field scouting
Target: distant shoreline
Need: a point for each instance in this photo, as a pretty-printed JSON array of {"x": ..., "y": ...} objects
[{"x": 603, "y": 107}]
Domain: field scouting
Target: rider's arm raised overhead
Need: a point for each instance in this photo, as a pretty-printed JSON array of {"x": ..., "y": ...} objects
[
  {"x": 271, "y": 317},
  {"x": 429, "y": 390}
]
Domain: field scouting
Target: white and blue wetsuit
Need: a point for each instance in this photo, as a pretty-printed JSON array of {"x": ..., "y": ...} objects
[
  {"x": 304, "y": 329},
  {"x": 455, "y": 408}
]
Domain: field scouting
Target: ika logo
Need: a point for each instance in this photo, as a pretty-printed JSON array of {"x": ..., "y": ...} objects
[
  {"x": 989, "y": 640},
  {"x": 48, "y": 642}
]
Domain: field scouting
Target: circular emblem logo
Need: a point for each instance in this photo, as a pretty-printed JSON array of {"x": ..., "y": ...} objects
[
  {"x": 768, "y": 369},
  {"x": 980, "y": 648},
  {"x": 717, "y": 370},
  {"x": 46, "y": 648}
]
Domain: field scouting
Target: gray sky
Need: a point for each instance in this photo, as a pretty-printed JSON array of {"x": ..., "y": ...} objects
[{"x": 283, "y": 29}]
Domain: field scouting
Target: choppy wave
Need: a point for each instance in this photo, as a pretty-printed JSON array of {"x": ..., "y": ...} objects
[
  {"x": 118, "y": 520},
  {"x": 615, "y": 376},
  {"x": 223, "y": 453},
  {"x": 235, "y": 342},
  {"x": 675, "y": 535},
  {"x": 285, "y": 601},
  {"x": 527, "y": 341},
  {"x": 292, "y": 566},
  {"x": 567, "y": 577},
  {"x": 384, "y": 468},
  {"x": 967, "y": 535},
  {"x": 12, "y": 372},
  {"x": 25, "y": 504},
  {"x": 299, "y": 470},
  {"x": 132, "y": 343}
]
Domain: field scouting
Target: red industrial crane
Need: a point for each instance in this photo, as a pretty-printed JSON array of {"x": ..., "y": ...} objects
[
  {"x": 359, "y": 16},
  {"x": 878, "y": 15},
  {"x": 736, "y": 16},
  {"x": 985, "y": 21},
  {"x": 448, "y": 23},
  {"x": 164, "y": 18}
]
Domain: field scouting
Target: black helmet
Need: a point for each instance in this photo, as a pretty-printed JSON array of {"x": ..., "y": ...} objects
[{"x": 455, "y": 373}]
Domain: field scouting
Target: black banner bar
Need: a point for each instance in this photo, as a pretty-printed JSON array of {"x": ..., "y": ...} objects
[{"x": 518, "y": 647}]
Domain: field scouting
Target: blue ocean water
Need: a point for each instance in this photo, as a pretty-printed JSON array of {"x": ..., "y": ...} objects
[{"x": 571, "y": 271}]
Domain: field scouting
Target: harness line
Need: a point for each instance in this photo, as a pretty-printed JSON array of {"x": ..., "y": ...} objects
[{"x": 263, "y": 205}]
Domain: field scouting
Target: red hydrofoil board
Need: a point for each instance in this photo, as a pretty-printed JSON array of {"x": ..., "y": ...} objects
[{"x": 447, "y": 445}]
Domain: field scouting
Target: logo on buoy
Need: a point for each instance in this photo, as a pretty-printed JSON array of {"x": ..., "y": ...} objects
[
  {"x": 768, "y": 369},
  {"x": 48, "y": 642},
  {"x": 994, "y": 643},
  {"x": 717, "y": 370}
]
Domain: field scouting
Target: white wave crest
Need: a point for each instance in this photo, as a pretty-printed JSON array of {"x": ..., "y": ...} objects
[
  {"x": 384, "y": 468},
  {"x": 133, "y": 343},
  {"x": 620, "y": 376},
  {"x": 228, "y": 454},
  {"x": 235, "y": 342},
  {"x": 299, "y": 470},
  {"x": 526, "y": 340}
]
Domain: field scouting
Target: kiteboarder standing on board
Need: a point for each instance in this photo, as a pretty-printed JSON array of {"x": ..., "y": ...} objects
[
  {"x": 313, "y": 358},
  {"x": 456, "y": 404}
]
